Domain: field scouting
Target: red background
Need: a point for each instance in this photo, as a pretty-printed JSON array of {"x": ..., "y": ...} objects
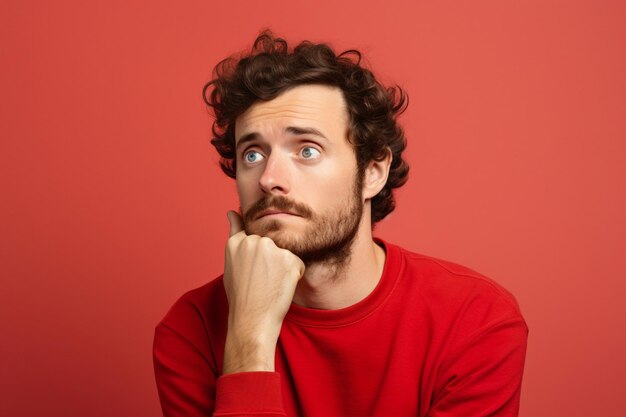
[{"x": 113, "y": 204}]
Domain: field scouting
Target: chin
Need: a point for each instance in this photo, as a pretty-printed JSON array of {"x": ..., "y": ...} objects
[
  {"x": 270, "y": 228},
  {"x": 282, "y": 238}
]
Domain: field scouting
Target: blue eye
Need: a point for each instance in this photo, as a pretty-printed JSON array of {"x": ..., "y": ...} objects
[
  {"x": 252, "y": 157},
  {"x": 309, "y": 153}
]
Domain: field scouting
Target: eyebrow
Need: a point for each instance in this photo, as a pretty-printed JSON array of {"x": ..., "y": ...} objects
[{"x": 294, "y": 130}]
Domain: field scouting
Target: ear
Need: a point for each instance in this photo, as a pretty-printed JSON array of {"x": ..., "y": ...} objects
[{"x": 375, "y": 176}]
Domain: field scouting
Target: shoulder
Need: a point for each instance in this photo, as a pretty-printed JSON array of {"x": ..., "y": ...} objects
[
  {"x": 205, "y": 306},
  {"x": 456, "y": 281},
  {"x": 188, "y": 338},
  {"x": 453, "y": 293}
]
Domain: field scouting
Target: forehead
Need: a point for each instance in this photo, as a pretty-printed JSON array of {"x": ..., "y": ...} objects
[{"x": 318, "y": 106}]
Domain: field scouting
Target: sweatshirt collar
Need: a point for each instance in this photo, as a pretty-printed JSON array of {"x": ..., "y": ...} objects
[{"x": 360, "y": 310}]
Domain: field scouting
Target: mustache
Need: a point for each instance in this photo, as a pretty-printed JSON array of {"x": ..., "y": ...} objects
[{"x": 276, "y": 202}]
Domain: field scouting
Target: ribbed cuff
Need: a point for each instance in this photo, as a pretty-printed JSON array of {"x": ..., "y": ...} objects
[{"x": 249, "y": 393}]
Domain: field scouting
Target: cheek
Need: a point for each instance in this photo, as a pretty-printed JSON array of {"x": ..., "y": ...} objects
[
  {"x": 246, "y": 191},
  {"x": 329, "y": 192},
  {"x": 336, "y": 181}
]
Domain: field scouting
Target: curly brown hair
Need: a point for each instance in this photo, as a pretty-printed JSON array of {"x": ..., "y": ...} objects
[{"x": 271, "y": 68}]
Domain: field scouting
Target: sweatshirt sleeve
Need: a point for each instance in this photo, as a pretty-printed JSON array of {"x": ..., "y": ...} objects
[
  {"x": 483, "y": 377},
  {"x": 249, "y": 394},
  {"x": 188, "y": 380},
  {"x": 185, "y": 381}
]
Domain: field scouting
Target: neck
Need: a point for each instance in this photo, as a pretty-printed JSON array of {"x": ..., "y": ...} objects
[{"x": 331, "y": 286}]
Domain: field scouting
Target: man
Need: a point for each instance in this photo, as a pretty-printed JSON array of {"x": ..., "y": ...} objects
[{"x": 313, "y": 316}]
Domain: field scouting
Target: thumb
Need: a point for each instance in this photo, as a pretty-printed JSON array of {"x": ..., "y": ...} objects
[{"x": 236, "y": 224}]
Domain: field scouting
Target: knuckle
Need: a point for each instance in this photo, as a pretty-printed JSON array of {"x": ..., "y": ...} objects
[
  {"x": 249, "y": 240},
  {"x": 231, "y": 244}
]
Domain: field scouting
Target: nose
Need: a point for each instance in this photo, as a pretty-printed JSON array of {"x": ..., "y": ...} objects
[{"x": 276, "y": 177}]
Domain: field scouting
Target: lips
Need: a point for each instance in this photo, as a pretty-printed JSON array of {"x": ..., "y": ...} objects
[
  {"x": 274, "y": 211},
  {"x": 274, "y": 206}
]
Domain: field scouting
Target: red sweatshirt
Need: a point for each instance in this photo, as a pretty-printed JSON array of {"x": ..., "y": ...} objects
[{"x": 433, "y": 339}]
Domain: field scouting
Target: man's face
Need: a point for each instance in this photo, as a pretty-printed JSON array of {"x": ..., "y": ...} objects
[{"x": 297, "y": 174}]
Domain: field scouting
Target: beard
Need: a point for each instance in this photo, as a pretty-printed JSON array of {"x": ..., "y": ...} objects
[{"x": 327, "y": 237}]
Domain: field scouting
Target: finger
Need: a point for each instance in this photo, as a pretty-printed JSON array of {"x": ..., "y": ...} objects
[
  {"x": 301, "y": 268},
  {"x": 236, "y": 224}
]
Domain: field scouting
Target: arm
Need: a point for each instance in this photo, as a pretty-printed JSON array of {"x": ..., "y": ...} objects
[
  {"x": 184, "y": 377},
  {"x": 483, "y": 376},
  {"x": 260, "y": 281},
  {"x": 188, "y": 383}
]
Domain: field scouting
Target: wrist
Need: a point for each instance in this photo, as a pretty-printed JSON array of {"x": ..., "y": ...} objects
[{"x": 249, "y": 353}]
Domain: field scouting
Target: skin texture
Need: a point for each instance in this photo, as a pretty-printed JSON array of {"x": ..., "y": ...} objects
[{"x": 307, "y": 236}]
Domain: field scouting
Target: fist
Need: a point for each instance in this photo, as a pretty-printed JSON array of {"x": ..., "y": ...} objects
[{"x": 260, "y": 281}]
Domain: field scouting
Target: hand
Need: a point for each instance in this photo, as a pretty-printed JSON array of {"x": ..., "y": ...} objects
[{"x": 260, "y": 281}]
